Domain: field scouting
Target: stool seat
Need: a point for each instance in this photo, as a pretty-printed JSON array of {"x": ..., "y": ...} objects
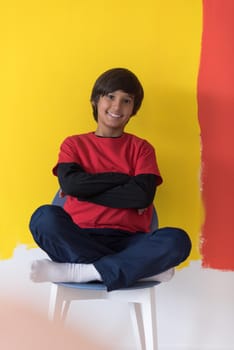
[{"x": 100, "y": 286}]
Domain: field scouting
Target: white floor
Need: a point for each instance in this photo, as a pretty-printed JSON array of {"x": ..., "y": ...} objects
[{"x": 195, "y": 309}]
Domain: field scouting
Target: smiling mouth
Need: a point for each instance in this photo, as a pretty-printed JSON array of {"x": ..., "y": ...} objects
[{"x": 113, "y": 115}]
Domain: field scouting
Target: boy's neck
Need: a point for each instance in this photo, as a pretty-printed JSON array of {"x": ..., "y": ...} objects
[{"x": 108, "y": 133}]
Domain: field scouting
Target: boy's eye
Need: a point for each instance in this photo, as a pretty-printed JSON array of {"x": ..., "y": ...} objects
[
  {"x": 110, "y": 96},
  {"x": 127, "y": 100}
]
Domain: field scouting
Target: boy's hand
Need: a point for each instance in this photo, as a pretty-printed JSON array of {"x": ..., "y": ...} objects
[
  {"x": 141, "y": 211},
  {"x": 62, "y": 194}
]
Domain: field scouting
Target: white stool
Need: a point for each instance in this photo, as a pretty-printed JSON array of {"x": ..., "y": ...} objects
[{"x": 141, "y": 299}]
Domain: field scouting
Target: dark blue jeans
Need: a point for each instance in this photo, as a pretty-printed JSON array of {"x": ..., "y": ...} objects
[{"x": 120, "y": 257}]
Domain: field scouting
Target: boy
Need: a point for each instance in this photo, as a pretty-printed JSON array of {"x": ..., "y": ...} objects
[{"x": 109, "y": 178}]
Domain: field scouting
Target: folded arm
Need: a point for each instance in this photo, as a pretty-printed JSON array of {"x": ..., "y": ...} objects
[
  {"x": 137, "y": 193},
  {"x": 116, "y": 190},
  {"x": 74, "y": 181}
]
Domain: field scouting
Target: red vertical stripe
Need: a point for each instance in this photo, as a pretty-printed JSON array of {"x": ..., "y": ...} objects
[{"x": 216, "y": 117}]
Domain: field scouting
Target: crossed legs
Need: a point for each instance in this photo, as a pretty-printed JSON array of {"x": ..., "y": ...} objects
[{"x": 117, "y": 258}]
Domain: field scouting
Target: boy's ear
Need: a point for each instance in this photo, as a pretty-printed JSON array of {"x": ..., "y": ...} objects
[{"x": 94, "y": 107}]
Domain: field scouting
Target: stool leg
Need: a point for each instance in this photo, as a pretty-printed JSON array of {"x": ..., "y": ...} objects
[
  {"x": 148, "y": 309},
  {"x": 66, "y": 305},
  {"x": 137, "y": 323},
  {"x": 58, "y": 307}
]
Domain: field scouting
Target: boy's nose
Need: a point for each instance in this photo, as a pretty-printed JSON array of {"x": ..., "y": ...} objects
[{"x": 116, "y": 105}]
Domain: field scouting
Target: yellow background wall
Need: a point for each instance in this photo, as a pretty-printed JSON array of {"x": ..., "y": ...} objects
[{"x": 51, "y": 53}]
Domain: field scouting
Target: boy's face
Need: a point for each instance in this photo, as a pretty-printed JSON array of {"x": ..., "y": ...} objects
[{"x": 114, "y": 111}]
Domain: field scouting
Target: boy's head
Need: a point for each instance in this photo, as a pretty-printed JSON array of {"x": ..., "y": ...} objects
[{"x": 117, "y": 79}]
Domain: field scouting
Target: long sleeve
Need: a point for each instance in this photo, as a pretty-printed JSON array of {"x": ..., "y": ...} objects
[
  {"x": 137, "y": 193},
  {"x": 74, "y": 181},
  {"x": 114, "y": 190}
]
